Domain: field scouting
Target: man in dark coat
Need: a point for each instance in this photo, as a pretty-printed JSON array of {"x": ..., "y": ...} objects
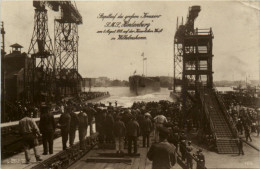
[
  {"x": 200, "y": 159},
  {"x": 47, "y": 128},
  {"x": 126, "y": 118},
  {"x": 73, "y": 126},
  {"x": 189, "y": 155},
  {"x": 133, "y": 131},
  {"x": 109, "y": 127},
  {"x": 163, "y": 154},
  {"x": 83, "y": 126},
  {"x": 91, "y": 112},
  {"x": 29, "y": 132},
  {"x": 240, "y": 147},
  {"x": 183, "y": 149},
  {"x": 247, "y": 133},
  {"x": 146, "y": 130},
  {"x": 119, "y": 133},
  {"x": 64, "y": 124}
]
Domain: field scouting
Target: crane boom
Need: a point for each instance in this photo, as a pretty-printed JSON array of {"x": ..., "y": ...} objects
[
  {"x": 69, "y": 13},
  {"x": 188, "y": 28}
]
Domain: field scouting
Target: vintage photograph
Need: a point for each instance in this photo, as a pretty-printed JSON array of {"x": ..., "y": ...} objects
[{"x": 130, "y": 84}]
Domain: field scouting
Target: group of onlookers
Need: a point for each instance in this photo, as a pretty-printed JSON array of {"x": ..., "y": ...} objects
[{"x": 116, "y": 125}]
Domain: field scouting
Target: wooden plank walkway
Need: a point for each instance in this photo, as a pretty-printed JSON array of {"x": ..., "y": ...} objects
[
  {"x": 141, "y": 162},
  {"x": 18, "y": 160},
  {"x": 137, "y": 163}
]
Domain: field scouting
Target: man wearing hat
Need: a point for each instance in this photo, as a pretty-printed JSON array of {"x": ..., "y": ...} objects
[
  {"x": 200, "y": 159},
  {"x": 240, "y": 146},
  {"x": 189, "y": 155},
  {"x": 189, "y": 146},
  {"x": 29, "y": 131},
  {"x": 132, "y": 131},
  {"x": 159, "y": 120},
  {"x": 64, "y": 125},
  {"x": 162, "y": 154},
  {"x": 146, "y": 129},
  {"x": 119, "y": 133},
  {"x": 83, "y": 126},
  {"x": 47, "y": 128}
]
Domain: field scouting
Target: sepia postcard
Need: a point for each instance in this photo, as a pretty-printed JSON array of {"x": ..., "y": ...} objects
[{"x": 130, "y": 84}]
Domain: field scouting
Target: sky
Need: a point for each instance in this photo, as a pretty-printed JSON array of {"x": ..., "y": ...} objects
[{"x": 235, "y": 25}]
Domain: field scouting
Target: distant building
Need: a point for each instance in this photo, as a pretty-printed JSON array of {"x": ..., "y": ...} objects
[
  {"x": 14, "y": 66},
  {"x": 14, "y": 71},
  {"x": 102, "y": 81}
]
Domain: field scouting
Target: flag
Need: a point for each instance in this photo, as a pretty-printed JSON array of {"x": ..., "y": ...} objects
[
  {"x": 142, "y": 54},
  {"x": 145, "y": 58}
]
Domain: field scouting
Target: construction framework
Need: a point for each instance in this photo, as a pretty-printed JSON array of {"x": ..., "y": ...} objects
[
  {"x": 192, "y": 57},
  {"x": 40, "y": 74},
  {"x": 66, "y": 49},
  {"x": 51, "y": 67}
]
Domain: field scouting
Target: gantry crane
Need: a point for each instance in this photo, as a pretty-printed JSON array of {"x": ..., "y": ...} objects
[
  {"x": 192, "y": 58},
  {"x": 47, "y": 62}
]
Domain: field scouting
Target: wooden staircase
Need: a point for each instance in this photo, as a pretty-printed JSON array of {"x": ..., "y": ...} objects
[{"x": 225, "y": 134}]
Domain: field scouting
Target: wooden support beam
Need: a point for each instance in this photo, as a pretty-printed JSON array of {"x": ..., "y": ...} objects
[
  {"x": 108, "y": 160},
  {"x": 107, "y": 146},
  {"x": 118, "y": 155}
]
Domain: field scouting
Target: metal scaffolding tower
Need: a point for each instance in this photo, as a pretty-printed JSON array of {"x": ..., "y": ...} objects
[
  {"x": 45, "y": 72},
  {"x": 66, "y": 48},
  {"x": 192, "y": 57},
  {"x": 40, "y": 74}
]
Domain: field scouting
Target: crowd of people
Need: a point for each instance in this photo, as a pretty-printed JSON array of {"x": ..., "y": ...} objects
[
  {"x": 246, "y": 121},
  {"x": 115, "y": 125},
  {"x": 17, "y": 109},
  {"x": 245, "y": 118},
  {"x": 245, "y": 99}
]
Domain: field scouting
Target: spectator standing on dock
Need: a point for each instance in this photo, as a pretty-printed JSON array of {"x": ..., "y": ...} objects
[
  {"x": 146, "y": 129},
  {"x": 159, "y": 122},
  {"x": 29, "y": 131},
  {"x": 200, "y": 159},
  {"x": 119, "y": 132},
  {"x": 109, "y": 127},
  {"x": 162, "y": 154},
  {"x": 101, "y": 128},
  {"x": 91, "y": 112},
  {"x": 64, "y": 124},
  {"x": 239, "y": 126},
  {"x": 183, "y": 149},
  {"x": 240, "y": 147},
  {"x": 133, "y": 132},
  {"x": 247, "y": 133},
  {"x": 74, "y": 121},
  {"x": 47, "y": 128},
  {"x": 83, "y": 126},
  {"x": 189, "y": 158},
  {"x": 189, "y": 146},
  {"x": 126, "y": 118}
]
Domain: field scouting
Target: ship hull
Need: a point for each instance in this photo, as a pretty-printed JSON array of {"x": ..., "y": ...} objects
[{"x": 141, "y": 85}]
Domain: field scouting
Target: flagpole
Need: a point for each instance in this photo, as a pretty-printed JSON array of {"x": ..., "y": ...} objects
[
  {"x": 146, "y": 66},
  {"x": 143, "y": 65},
  {"x": 143, "y": 62}
]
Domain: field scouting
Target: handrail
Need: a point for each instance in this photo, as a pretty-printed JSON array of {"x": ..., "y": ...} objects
[
  {"x": 213, "y": 127},
  {"x": 227, "y": 115},
  {"x": 202, "y": 91}
]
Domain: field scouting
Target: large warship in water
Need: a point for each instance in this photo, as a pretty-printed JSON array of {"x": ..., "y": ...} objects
[{"x": 143, "y": 84}]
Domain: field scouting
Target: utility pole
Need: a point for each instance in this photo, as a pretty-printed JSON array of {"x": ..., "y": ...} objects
[
  {"x": 3, "y": 72},
  {"x": 143, "y": 62},
  {"x": 146, "y": 66}
]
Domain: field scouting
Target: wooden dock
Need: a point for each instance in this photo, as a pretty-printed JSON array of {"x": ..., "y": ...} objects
[{"x": 136, "y": 162}]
